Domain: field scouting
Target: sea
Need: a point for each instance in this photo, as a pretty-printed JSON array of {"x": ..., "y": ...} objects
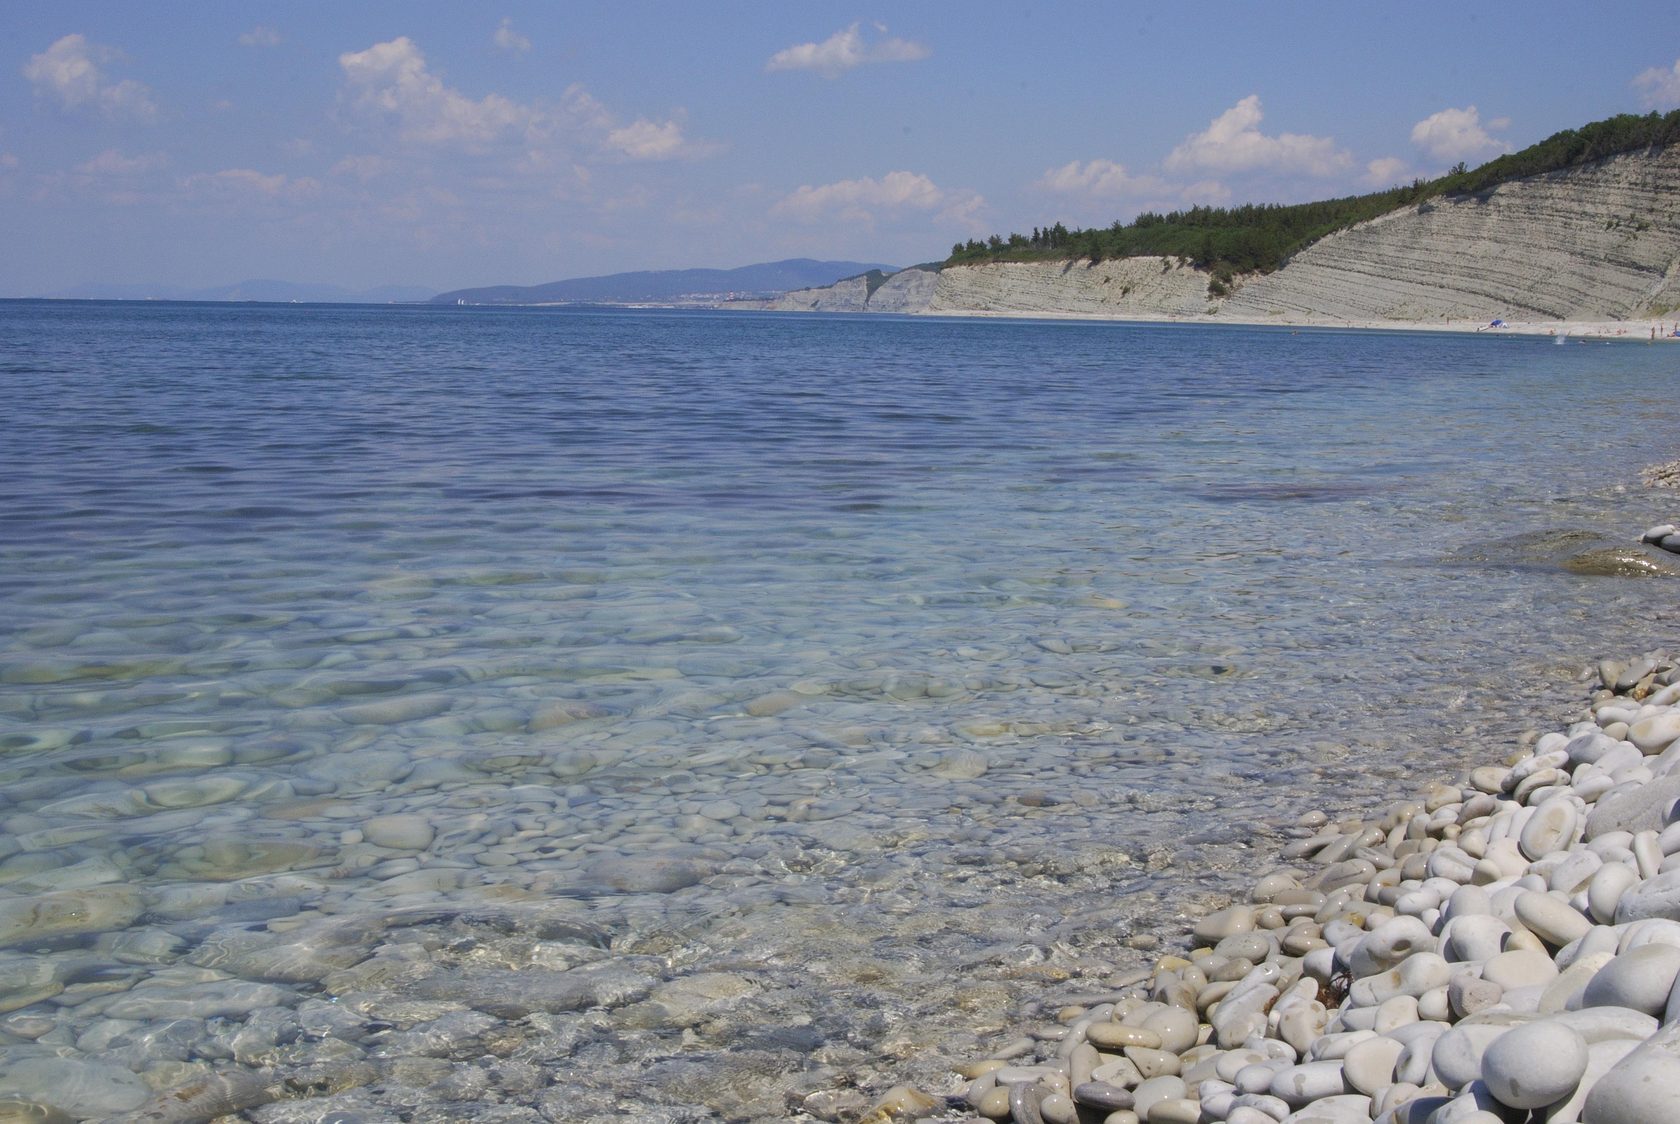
[{"x": 598, "y": 714}]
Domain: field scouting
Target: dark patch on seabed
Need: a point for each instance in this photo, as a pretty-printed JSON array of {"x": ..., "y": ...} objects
[{"x": 1283, "y": 491}]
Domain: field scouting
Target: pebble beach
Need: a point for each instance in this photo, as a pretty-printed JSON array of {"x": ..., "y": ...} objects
[{"x": 1500, "y": 946}]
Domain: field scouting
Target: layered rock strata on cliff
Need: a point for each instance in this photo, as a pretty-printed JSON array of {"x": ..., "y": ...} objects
[
  {"x": 1598, "y": 242},
  {"x": 1134, "y": 287}
]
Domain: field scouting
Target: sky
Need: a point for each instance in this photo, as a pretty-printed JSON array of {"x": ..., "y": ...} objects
[{"x": 445, "y": 145}]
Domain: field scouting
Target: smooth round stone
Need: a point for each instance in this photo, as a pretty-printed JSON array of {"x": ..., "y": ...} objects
[
  {"x": 961, "y": 764},
  {"x": 1456, "y": 1056},
  {"x": 1654, "y": 734},
  {"x": 398, "y": 708},
  {"x": 646, "y": 874},
  {"x": 1606, "y": 889},
  {"x": 1257, "y": 1078},
  {"x": 1155, "y": 1089},
  {"x": 1057, "y": 1108},
  {"x": 1102, "y": 1095},
  {"x": 1605, "y": 1024},
  {"x": 1272, "y": 885},
  {"x": 1345, "y": 1108},
  {"x": 1640, "y": 978},
  {"x": 1554, "y": 825},
  {"x": 42, "y": 917},
  {"x": 1550, "y": 919},
  {"x": 1655, "y": 897},
  {"x": 1634, "y": 807},
  {"x": 1153, "y": 1063},
  {"x": 1520, "y": 968},
  {"x": 1229, "y": 1063},
  {"x": 1114, "y": 1036},
  {"x": 1175, "y": 1027},
  {"x": 993, "y": 1103},
  {"x": 1641, "y": 1088},
  {"x": 1535, "y": 1065},
  {"x": 1389, "y": 944},
  {"x": 1369, "y": 1067},
  {"x": 1175, "y": 1110},
  {"x": 1310, "y": 1081},
  {"x": 1222, "y": 923},
  {"x": 1396, "y": 1012},
  {"x": 402, "y": 832},
  {"x": 83, "y": 1089},
  {"x": 1474, "y": 937},
  {"x": 1239, "y": 1114}
]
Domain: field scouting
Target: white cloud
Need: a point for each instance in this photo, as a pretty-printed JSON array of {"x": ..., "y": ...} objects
[
  {"x": 114, "y": 163},
  {"x": 1099, "y": 179},
  {"x": 391, "y": 80},
  {"x": 510, "y": 40},
  {"x": 845, "y": 50},
  {"x": 392, "y": 83},
  {"x": 1458, "y": 134},
  {"x": 69, "y": 72},
  {"x": 1660, "y": 86},
  {"x": 862, "y": 200},
  {"x": 1386, "y": 171},
  {"x": 261, "y": 35},
  {"x": 363, "y": 168},
  {"x": 236, "y": 182},
  {"x": 645, "y": 140},
  {"x": 1233, "y": 142}
]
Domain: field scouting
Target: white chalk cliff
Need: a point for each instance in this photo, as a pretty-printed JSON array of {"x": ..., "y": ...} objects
[{"x": 1599, "y": 242}]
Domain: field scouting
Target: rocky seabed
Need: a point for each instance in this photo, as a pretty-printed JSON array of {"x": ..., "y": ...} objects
[{"x": 1505, "y": 948}]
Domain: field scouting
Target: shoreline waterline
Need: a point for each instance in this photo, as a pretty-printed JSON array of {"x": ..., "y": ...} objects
[
  {"x": 464, "y": 724},
  {"x": 1375, "y": 967}
]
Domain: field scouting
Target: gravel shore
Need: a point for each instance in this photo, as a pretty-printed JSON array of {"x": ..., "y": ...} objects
[{"x": 1503, "y": 947}]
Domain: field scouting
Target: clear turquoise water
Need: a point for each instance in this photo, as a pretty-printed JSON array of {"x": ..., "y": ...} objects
[{"x": 787, "y": 643}]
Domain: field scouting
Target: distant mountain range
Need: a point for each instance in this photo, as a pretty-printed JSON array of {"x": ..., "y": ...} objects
[
  {"x": 280, "y": 292},
  {"x": 769, "y": 279}
]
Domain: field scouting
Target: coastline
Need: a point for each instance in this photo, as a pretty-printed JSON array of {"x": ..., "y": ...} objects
[
  {"x": 1631, "y": 331},
  {"x": 1503, "y": 942}
]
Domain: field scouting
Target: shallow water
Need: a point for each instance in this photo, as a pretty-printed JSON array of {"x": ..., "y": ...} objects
[{"x": 599, "y": 713}]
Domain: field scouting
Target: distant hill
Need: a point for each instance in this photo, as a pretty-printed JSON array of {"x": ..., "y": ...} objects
[
  {"x": 769, "y": 279},
  {"x": 280, "y": 292}
]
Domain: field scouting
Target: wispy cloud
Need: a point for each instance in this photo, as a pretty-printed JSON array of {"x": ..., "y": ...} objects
[
  {"x": 647, "y": 140},
  {"x": 1099, "y": 180},
  {"x": 247, "y": 182},
  {"x": 1659, "y": 87},
  {"x": 261, "y": 35},
  {"x": 392, "y": 81},
  {"x": 70, "y": 73},
  {"x": 391, "y": 84},
  {"x": 866, "y": 199},
  {"x": 1386, "y": 171},
  {"x": 510, "y": 40},
  {"x": 845, "y": 50},
  {"x": 114, "y": 163},
  {"x": 1233, "y": 142},
  {"x": 1459, "y": 134}
]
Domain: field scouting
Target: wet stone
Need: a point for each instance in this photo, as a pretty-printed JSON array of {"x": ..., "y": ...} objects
[
  {"x": 47, "y": 917},
  {"x": 82, "y": 1089}
]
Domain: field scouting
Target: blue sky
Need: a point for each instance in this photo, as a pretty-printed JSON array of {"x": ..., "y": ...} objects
[{"x": 447, "y": 145}]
